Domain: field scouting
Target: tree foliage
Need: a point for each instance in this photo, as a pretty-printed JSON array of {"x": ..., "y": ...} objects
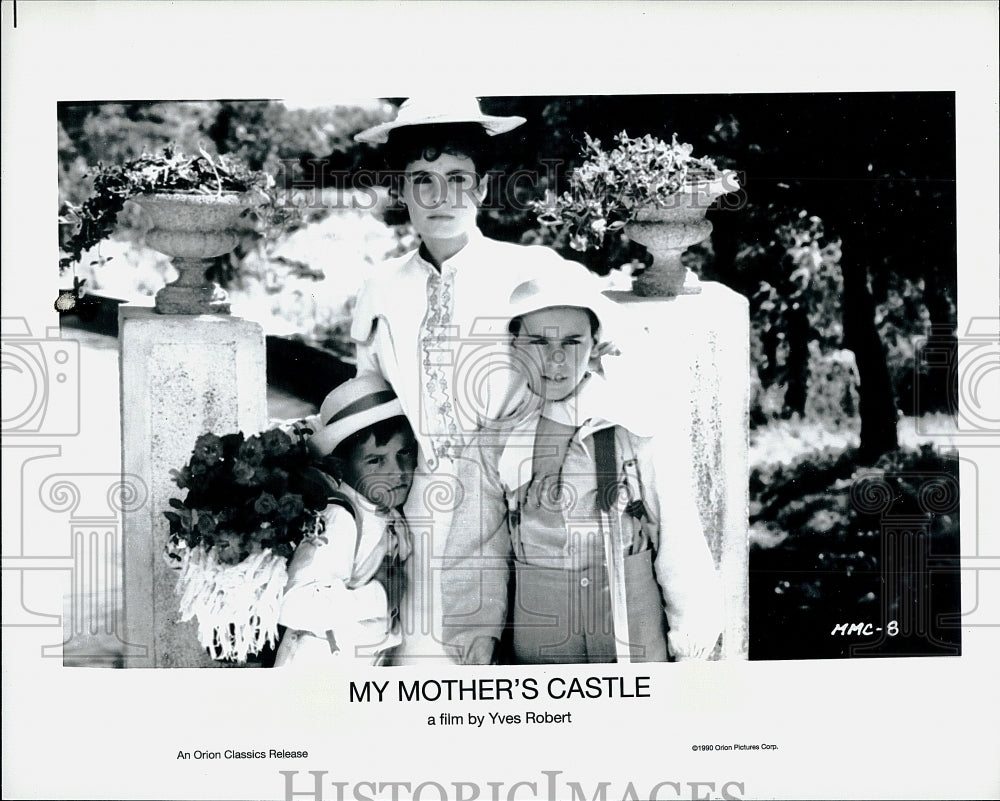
[{"x": 874, "y": 170}]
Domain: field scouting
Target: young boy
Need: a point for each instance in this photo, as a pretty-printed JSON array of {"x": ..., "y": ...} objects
[
  {"x": 344, "y": 585},
  {"x": 609, "y": 559}
]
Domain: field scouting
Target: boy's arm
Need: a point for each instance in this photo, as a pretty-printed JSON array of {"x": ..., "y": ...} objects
[
  {"x": 317, "y": 594},
  {"x": 474, "y": 581},
  {"x": 684, "y": 566}
]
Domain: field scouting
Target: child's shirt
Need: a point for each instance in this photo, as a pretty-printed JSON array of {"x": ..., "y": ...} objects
[
  {"x": 511, "y": 511},
  {"x": 551, "y": 514},
  {"x": 330, "y": 586}
]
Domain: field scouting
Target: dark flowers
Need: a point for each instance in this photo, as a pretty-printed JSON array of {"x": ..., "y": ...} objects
[
  {"x": 208, "y": 449},
  {"x": 247, "y": 494}
]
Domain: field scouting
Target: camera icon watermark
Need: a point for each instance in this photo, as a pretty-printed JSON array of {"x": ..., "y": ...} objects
[
  {"x": 80, "y": 555},
  {"x": 488, "y": 381},
  {"x": 915, "y": 514},
  {"x": 965, "y": 370},
  {"x": 41, "y": 382}
]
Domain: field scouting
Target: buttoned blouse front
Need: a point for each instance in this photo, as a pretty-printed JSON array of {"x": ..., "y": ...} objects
[{"x": 439, "y": 337}]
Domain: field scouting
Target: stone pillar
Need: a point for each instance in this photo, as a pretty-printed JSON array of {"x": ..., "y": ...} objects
[
  {"x": 181, "y": 375},
  {"x": 690, "y": 368}
]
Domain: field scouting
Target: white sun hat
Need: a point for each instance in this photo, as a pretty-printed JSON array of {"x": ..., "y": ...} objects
[
  {"x": 568, "y": 286},
  {"x": 439, "y": 111},
  {"x": 354, "y": 405}
]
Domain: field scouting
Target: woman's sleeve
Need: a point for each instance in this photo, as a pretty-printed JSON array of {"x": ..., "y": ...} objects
[
  {"x": 367, "y": 356},
  {"x": 364, "y": 331},
  {"x": 317, "y": 594},
  {"x": 684, "y": 565},
  {"x": 474, "y": 581}
]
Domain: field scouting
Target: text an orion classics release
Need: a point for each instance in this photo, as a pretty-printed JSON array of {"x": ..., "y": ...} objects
[{"x": 242, "y": 753}]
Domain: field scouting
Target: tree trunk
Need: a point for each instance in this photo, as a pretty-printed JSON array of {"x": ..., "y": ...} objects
[
  {"x": 797, "y": 383},
  {"x": 877, "y": 406}
]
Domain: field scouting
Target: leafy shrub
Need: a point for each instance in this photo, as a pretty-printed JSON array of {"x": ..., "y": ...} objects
[
  {"x": 905, "y": 324},
  {"x": 608, "y": 187},
  {"x": 168, "y": 171}
]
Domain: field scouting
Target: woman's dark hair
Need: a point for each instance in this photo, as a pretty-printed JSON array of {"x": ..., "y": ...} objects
[
  {"x": 383, "y": 431},
  {"x": 514, "y": 326},
  {"x": 428, "y": 142}
]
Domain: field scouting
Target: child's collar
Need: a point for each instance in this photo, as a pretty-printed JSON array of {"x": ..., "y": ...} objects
[
  {"x": 574, "y": 409},
  {"x": 593, "y": 406},
  {"x": 581, "y": 411}
]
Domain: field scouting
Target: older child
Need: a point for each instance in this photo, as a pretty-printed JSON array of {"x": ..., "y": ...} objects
[
  {"x": 417, "y": 314},
  {"x": 609, "y": 559},
  {"x": 344, "y": 586}
]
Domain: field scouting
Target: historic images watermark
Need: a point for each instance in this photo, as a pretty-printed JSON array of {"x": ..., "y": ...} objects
[
  {"x": 918, "y": 568},
  {"x": 42, "y": 407},
  {"x": 316, "y": 184},
  {"x": 41, "y": 382},
  {"x": 551, "y": 784}
]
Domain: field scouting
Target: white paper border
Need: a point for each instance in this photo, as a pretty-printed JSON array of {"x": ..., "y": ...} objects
[{"x": 858, "y": 729}]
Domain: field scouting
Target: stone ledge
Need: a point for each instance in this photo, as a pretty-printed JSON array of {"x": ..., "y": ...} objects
[{"x": 292, "y": 364}]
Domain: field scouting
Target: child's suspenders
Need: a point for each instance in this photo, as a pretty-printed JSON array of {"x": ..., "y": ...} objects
[
  {"x": 619, "y": 545},
  {"x": 340, "y": 499},
  {"x": 607, "y": 468},
  {"x": 611, "y": 476},
  {"x": 610, "y": 479}
]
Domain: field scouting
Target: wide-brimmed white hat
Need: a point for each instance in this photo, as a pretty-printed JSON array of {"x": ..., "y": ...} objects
[
  {"x": 438, "y": 111},
  {"x": 351, "y": 407}
]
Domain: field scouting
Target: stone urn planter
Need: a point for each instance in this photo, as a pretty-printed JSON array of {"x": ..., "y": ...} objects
[
  {"x": 197, "y": 206},
  {"x": 667, "y": 230},
  {"x": 193, "y": 229},
  {"x": 657, "y": 191}
]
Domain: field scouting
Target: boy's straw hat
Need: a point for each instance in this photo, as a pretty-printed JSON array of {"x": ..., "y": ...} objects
[
  {"x": 351, "y": 407},
  {"x": 437, "y": 111}
]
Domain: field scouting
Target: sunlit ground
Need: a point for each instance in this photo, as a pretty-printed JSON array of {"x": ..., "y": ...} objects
[{"x": 783, "y": 441}]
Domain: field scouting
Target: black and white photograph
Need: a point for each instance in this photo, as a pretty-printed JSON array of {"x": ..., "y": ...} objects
[
  {"x": 809, "y": 321},
  {"x": 501, "y": 412}
]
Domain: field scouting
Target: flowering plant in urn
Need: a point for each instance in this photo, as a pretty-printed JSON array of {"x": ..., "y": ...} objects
[
  {"x": 250, "y": 501},
  {"x": 658, "y": 192},
  {"x": 198, "y": 206}
]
